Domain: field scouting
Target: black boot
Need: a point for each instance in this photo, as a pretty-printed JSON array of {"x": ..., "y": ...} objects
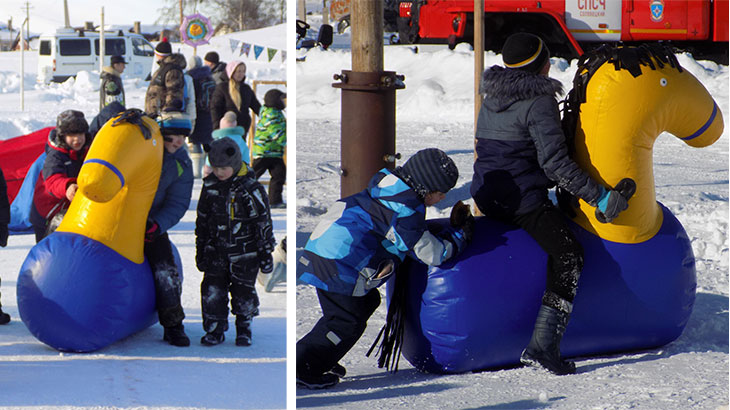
[
  {"x": 338, "y": 370},
  {"x": 544, "y": 347},
  {"x": 215, "y": 336},
  {"x": 175, "y": 335},
  {"x": 4, "y": 318},
  {"x": 243, "y": 331}
]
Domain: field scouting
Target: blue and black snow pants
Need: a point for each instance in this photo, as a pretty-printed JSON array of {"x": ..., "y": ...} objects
[
  {"x": 168, "y": 282},
  {"x": 240, "y": 282}
]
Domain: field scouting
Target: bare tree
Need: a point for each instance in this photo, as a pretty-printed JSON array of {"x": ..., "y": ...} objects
[{"x": 234, "y": 15}]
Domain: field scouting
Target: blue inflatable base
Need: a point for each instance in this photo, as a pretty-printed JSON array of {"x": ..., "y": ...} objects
[
  {"x": 478, "y": 311},
  {"x": 78, "y": 295}
]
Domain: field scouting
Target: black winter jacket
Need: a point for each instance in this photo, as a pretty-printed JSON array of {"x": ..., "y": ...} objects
[
  {"x": 233, "y": 230},
  {"x": 204, "y": 87},
  {"x": 521, "y": 148},
  {"x": 222, "y": 103}
]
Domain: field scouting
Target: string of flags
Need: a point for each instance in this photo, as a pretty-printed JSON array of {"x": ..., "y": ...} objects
[{"x": 244, "y": 48}]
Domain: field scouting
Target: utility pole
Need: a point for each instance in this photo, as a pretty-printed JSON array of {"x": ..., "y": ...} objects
[
  {"x": 27, "y": 26},
  {"x": 181, "y": 13},
  {"x": 478, "y": 56},
  {"x": 367, "y": 136},
  {"x": 66, "y": 21},
  {"x": 302, "y": 10}
]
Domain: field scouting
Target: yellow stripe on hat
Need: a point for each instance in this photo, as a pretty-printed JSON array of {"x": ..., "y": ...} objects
[{"x": 527, "y": 61}]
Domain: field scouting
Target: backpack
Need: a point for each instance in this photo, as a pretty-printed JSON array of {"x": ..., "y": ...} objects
[{"x": 204, "y": 87}]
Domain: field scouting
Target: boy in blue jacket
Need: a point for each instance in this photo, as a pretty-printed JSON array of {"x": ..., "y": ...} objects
[
  {"x": 168, "y": 207},
  {"x": 358, "y": 246}
]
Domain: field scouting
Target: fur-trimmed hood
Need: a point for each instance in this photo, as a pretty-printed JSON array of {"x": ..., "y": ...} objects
[
  {"x": 502, "y": 87},
  {"x": 110, "y": 71},
  {"x": 177, "y": 59}
]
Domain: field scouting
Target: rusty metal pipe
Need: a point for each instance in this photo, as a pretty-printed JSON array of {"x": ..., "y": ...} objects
[{"x": 367, "y": 136}]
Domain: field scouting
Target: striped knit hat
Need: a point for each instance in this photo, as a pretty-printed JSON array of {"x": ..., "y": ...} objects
[
  {"x": 431, "y": 170},
  {"x": 525, "y": 51}
]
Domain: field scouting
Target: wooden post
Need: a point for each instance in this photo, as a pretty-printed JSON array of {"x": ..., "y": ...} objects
[
  {"x": 302, "y": 10},
  {"x": 102, "y": 44},
  {"x": 478, "y": 56},
  {"x": 366, "y": 18},
  {"x": 325, "y": 13}
]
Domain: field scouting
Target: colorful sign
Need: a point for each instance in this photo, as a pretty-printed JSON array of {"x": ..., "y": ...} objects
[
  {"x": 195, "y": 30},
  {"x": 657, "y": 10}
]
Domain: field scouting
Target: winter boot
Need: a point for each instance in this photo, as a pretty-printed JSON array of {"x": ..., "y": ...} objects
[
  {"x": 544, "y": 347},
  {"x": 243, "y": 331},
  {"x": 214, "y": 337},
  {"x": 338, "y": 370},
  {"x": 317, "y": 382},
  {"x": 198, "y": 160},
  {"x": 175, "y": 335},
  {"x": 4, "y": 317}
]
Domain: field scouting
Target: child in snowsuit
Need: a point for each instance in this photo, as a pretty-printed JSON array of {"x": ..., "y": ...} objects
[
  {"x": 66, "y": 150},
  {"x": 521, "y": 153},
  {"x": 168, "y": 207},
  {"x": 228, "y": 128},
  {"x": 357, "y": 247},
  {"x": 269, "y": 143},
  {"x": 234, "y": 238},
  {"x": 4, "y": 221}
]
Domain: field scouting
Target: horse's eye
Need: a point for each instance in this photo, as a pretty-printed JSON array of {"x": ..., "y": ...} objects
[{"x": 663, "y": 82}]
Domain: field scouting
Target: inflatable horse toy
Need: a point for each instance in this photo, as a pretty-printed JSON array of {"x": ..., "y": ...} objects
[
  {"x": 638, "y": 284},
  {"x": 87, "y": 284}
]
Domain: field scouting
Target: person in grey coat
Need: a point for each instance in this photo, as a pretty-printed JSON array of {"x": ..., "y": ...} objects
[{"x": 521, "y": 153}]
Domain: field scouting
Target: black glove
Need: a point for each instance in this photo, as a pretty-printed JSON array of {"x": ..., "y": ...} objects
[
  {"x": 152, "y": 231},
  {"x": 612, "y": 202},
  {"x": 566, "y": 202},
  {"x": 3, "y": 235},
  {"x": 266, "y": 263}
]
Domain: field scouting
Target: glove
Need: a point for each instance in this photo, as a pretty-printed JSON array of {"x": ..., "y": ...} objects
[
  {"x": 566, "y": 202},
  {"x": 266, "y": 263},
  {"x": 461, "y": 218},
  {"x": 613, "y": 201},
  {"x": 3, "y": 235},
  {"x": 152, "y": 231}
]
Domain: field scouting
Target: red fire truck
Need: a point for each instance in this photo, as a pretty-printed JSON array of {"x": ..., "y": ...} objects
[{"x": 570, "y": 26}]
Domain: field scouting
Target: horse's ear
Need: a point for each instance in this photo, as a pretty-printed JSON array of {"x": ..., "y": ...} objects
[{"x": 206, "y": 147}]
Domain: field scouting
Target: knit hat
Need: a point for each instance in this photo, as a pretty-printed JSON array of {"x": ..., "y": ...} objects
[
  {"x": 430, "y": 170},
  {"x": 163, "y": 48},
  {"x": 231, "y": 67},
  {"x": 229, "y": 119},
  {"x": 174, "y": 123},
  {"x": 71, "y": 122},
  {"x": 194, "y": 62},
  {"x": 212, "y": 57},
  {"x": 525, "y": 51},
  {"x": 224, "y": 152},
  {"x": 275, "y": 99}
]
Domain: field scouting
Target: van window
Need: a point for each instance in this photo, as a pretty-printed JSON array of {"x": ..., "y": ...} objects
[
  {"x": 45, "y": 48},
  {"x": 142, "y": 47},
  {"x": 75, "y": 47},
  {"x": 112, "y": 47}
]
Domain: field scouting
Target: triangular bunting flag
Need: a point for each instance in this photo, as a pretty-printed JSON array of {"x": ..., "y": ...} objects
[
  {"x": 234, "y": 44},
  {"x": 245, "y": 49},
  {"x": 272, "y": 53},
  {"x": 257, "y": 50}
]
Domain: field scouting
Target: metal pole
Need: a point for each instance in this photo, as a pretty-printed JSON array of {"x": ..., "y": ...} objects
[
  {"x": 325, "y": 13},
  {"x": 102, "y": 44},
  {"x": 66, "y": 20}
]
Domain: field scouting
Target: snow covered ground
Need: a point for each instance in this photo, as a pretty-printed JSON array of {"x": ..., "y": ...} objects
[
  {"x": 436, "y": 110},
  {"x": 140, "y": 371}
]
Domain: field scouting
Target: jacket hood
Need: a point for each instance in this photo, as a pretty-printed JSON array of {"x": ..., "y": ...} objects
[
  {"x": 200, "y": 72},
  {"x": 111, "y": 71},
  {"x": 502, "y": 87},
  {"x": 176, "y": 59},
  {"x": 58, "y": 143}
]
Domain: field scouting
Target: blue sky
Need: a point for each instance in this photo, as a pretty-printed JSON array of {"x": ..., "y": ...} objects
[{"x": 46, "y": 15}]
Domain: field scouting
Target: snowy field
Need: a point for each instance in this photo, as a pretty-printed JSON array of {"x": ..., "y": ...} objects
[
  {"x": 436, "y": 110},
  {"x": 141, "y": 371}
]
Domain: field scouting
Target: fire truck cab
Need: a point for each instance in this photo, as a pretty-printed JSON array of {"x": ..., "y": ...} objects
[{"x": 570, "y": 26}]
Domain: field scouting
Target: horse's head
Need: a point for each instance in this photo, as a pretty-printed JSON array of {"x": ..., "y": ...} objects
[
  {"x": 127, "y": 152},
  {"x": 632, "y": 97}
]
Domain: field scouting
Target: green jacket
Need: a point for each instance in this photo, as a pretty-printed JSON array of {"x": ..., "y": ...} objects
[{"x": 270, "y": 138}]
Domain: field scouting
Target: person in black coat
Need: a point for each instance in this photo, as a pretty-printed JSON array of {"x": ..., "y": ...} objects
[
  {"x": 234, "y": 95},
  {"x": 202, "y": 131},
  {"x": 112, "y": 87},
  {"x": 106, "y": 114},
  {"x": 217, "y": 67},
  {"x": 4, "y": 221}
]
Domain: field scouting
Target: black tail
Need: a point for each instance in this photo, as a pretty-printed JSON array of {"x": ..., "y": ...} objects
[{"x": 392, "y": 332}]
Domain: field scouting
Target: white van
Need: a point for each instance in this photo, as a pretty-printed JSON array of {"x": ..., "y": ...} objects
[{"x": 66, "y": 52}]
